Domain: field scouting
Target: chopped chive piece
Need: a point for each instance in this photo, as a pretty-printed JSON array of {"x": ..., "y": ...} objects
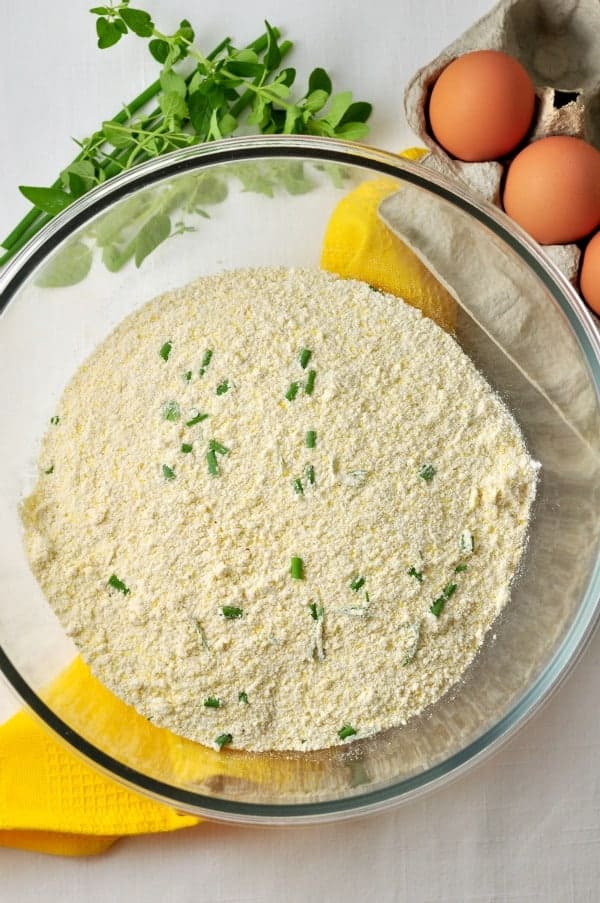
[
  {"x": 166, "y": 350},
  {"x": 311, "y": 439},
  {"x": 205, "y": 362},
  {"x": 298, "y": 487},
  {"x": 449, "y": 590},
  {"x": 367, "y": 600},
  {"x": 305, "y": 356},
  {"x": 50, "y": 469},
  {"x": 310, "y": 474},
  {"x": 231, "y": 612},
  {"x": 171, "y": 411},
  {"x": 346, "y": 731},
  {"x": 54, "y": 420},
  {"x": 437, "y": 607},
  {"x": 186, "y": 448},
  {"x": 292, "y": 391},
  {"x": 197, "y": 418},
  {"x": 297, "y": 568},
  {"x": 357, "y": 583},
  {"x": 418, "y": 575},
  {"x": 243, "y": 697},
  {"x": 211, "y": 460},
  {"x": 168, "y": 472},
  {"x": 187, "y": 375},
  {"x": 460, "y": 568},
  {"x": 217, "y": 447},
  {"x": 310, "y": 382},
  {"x": 427, "y": 472},
  {"x": 466, "y": 543},
  {"x": 223, "y": 740},
  {"x": 114, "y": 581},
  {"x": 212, "y": 702},
  {"x": 223, "y": 387}
]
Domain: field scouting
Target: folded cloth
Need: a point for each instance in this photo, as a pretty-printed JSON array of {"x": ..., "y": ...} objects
[{"x": 51, "y": 801}]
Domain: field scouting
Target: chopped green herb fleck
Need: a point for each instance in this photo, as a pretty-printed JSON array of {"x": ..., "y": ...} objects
[
  {"x": 345, "y": 732},
  {"x": 197, "y": 418},
  {"x": 50, "y": 469},
  {"x": 231, "y": 612},
  {"x": 166, "y": 350},
  {"x": 418, "y": 575},
  {"x": 223, "y": 387},
  {"x": 460, "y": 568},
  {"x": 187, "y": 375},
  {"x": 466, "y": 543},
  {"x": 357, "y": 583},
  {"x": 211, "y": 460},
  {"x": 114, "y": 581},
  {"x": 54, "y": 420},
  {"x": 298, "y": 487},
  {"x": 297, "y": 568},
  {"x": 311, "y": 439},
  {"x": 186, "y": 448},
  {"x": 310, "y": 382},
  {"x": 205, "y": 361},
  {"x": 316, "y": 611},
  {"x": 305, "y": 356},
  {"x": 437, "y": 607},
  {"x": 171, "y": 411},
  {"x": 449, "y": 590},
  {"x": 292, "y": 391},
  {"x": 243, "y": 697},
  {"x": 310, "y": 474},
  {"x": 217, "y": 447},
  {"x": 223, "y": 740},
  {"x": 367, "y": 600},
  {"x": 168, "y": 472},
  {"x": 427, "y": 472},
  {"x": 212, "y": 702}
]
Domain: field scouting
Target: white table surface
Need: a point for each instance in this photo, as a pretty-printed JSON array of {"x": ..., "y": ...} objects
[{"x": 525, "y": 826}]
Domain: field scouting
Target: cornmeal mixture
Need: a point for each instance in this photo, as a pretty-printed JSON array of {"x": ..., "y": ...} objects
[{"x": 278, "y": 510}]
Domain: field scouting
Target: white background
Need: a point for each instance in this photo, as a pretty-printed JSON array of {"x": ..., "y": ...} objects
[{"x": 525, "y": 826}]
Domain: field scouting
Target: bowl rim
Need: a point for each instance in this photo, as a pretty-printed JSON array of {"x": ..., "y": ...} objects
[{"x": 582, "y": 325}]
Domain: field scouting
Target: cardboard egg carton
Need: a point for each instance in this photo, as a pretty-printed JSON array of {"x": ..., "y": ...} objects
[{"x": 558, "y": 43}]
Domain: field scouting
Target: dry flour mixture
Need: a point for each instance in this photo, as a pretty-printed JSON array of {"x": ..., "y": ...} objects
[{"x": 279, "y": 510}]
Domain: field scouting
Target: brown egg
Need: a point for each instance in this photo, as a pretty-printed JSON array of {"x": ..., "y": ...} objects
[
  {"x": 589, "y": 277},
  {"x": 553, "y": 189},
  {"x": 481, "y": 106}
]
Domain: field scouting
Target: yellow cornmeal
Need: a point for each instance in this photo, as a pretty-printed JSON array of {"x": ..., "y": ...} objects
[{"x": 171, "y": 567}]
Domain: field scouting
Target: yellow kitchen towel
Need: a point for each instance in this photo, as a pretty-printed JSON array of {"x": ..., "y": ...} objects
[{"x": 51, "y": 800}]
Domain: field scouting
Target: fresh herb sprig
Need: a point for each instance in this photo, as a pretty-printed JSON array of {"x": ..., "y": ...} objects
[{"x": 228, "y": 89}]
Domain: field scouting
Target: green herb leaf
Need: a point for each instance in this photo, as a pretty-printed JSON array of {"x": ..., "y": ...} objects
[
  {"x": 449, "y": 590},
  {"x": 50, "y": 469},
  {"x": 187, "y": 376},
  {"x": 413, "y": 572},
  {"x": 166, "y": 350},
  {"x": 217, "y": 447},
  {"x": 231, "y": 612},
  {"x": 159, "y": 50},
  {"x": 357, "y": 583},
  {"x": 297, "y": 568},
  {"x": 292, "y": 391},
  {"x": 117, "y": 584},
  {"x": 310, "y": 439},
  {"x": 310, "y": 474},
  {"x": 186, "y": 448},
  {"x": 346, "y": 731},
  {"x": 116, "y": 134},
  {"x": 171, "y": 411},
  {"x": 151, "y": 235},
  {"x": 273, "y": 54},
  {"x": 305, "y": 356},
  {"x": 223, "y": 388},
  {"x": 55, "y": 420},
  {"x": 460, "y": 568},
  {"x": 173, "y": 83},
  {"x": 437, "y": 606},
  {"x": 50, "y": 200},
  {"x": 310, "y": 382},
  {"x": 211, "y": 460},
  {"x": 138, "y": 20},
  {"x": 340, "y": 103},
  {"x": 316, "y": 611},
  {"x": 298, "y": 487},
  {"x": 197, "y": 418},
  {"x": 168, "y": 472},
  {"x": 206, "y": 359},
  {"x": 427, "y": 472},
  {"x": 108, "y": 33},
  {"x": 67, "y": 267},
  {"x": 319, "y": 81},
  {"x": 243, "y": 697},
  {"x": 211, "y": 702},
  {"x": 223, "y": 740}
]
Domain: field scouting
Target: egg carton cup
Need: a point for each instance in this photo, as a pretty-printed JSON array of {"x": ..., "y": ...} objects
[{"x": 558, "y": 43}]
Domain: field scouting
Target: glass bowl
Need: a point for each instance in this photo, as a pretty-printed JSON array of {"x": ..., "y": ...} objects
[{"x": 266, "y": 201}]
